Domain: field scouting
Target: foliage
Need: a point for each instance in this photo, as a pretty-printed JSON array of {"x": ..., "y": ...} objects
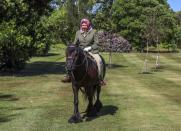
[
  {"x": 63, "y": 22},
  {"x": 103, "y": 17},
  {"x": 113, "y": 42},
  {"x": 178, "y": 29},
  {"x": 13, "y": 47},
  {"x": 131, "y": 17},
  {"x": 178, "y": 17},
  {"x": 47, "y": 22},
  {"x": 18, "y": 21}
]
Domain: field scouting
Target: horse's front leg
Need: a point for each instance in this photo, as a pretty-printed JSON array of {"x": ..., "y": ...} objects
[{"x": 76, "y": 116}]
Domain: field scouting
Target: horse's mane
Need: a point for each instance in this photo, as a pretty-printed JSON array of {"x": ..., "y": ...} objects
[{"x": 76, "y": 47}]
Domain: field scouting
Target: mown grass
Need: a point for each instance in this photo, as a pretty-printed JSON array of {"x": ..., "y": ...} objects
[{"x": 36, "y": 100}]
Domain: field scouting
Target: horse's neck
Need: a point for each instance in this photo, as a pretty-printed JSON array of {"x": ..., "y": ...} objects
[{"x": 82, "y": 68}]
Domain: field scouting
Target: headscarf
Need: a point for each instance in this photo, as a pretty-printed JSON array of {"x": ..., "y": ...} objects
[{"x": 87, "y": 22}]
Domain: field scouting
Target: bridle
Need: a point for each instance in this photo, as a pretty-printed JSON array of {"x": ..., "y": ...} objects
[{"x": 77, "y": 65}]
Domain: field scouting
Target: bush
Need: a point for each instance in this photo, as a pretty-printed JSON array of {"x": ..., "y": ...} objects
[
  {"x": 13, "y": 47},
  {"x": 114, "y": 42},
  {"x": 169, "y": 46}
]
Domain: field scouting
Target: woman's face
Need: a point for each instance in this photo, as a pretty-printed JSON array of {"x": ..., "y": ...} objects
[{"x": 84, "y": 27}]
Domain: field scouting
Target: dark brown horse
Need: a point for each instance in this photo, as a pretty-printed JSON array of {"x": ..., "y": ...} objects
[{"x": 84, "y": 74}]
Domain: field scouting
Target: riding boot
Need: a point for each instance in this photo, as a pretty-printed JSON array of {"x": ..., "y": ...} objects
[
  {"x": 66, "y": 79},
  {"x": 102, "y": 83}
]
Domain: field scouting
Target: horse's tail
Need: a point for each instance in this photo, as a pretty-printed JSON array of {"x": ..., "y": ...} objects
[{"x": 89, "y": 92}]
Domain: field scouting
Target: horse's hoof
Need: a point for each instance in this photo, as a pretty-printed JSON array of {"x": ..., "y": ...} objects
[
  {"x": 92, "y": 112},
  {"x": 98, "y": 105},
  {"x": 75, "y": 119}
]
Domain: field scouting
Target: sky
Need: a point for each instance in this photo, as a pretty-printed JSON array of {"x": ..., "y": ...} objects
[{"x": 175, "y": 4}]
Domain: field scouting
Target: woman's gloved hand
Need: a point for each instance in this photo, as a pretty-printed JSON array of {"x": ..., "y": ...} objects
[{"x": 87, "y": 48}]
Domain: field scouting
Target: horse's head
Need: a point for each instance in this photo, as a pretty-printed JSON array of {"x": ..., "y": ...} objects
[{"x": 72, "y": 54}]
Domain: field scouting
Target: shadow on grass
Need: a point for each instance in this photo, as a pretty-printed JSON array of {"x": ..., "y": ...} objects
[
  {"x": 106, "y": 110},
  {"x": 38, "y": 68},
  {"x": 158, "y": 69},
  {"x": 45, "y": 68},
  {"x": 113, "y": 66},
  {"x": 8, "y": 97},
  {"x": 145, "y": 73},
  {"x": 162, "y": 51},
  {"x": 4, "y": 111},
  {"x": 49, "y": 54},
  {"x": 7, "y": 118}
]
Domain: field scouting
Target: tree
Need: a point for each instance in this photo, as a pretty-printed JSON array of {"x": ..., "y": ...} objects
[
  {"x": 103, "y": 21},
  {"x": 18, "y": 22},
  {"x": 178, "y": 17},
  {"x": 65, "y": 20},
  {"x": 102, "y": 16},
  {"x": 13, "y": 47},
  {"x": 178, "y": 29},
  {"x": 130, "y": 17}
]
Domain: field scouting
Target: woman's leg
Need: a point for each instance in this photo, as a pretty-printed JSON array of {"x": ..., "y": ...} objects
[
  {"x": 99, "y": 64},
  {"x": 66, "y": 78}
]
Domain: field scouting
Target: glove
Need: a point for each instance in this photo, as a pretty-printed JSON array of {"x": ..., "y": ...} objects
[{"x": 87, "y": 48}]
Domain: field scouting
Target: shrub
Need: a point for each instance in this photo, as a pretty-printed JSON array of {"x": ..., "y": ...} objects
[
  {"x": 13, "y": 47},
  {"x": 114, "y": 42}
]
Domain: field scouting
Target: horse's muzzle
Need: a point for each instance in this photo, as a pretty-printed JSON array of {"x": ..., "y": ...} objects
[
  {"x": 70, "y": 66},
  {"x": 70, "y": 69}
]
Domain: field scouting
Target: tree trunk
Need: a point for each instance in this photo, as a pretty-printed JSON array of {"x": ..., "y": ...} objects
[
  {"x": 110, "y": 58},
  {"x": 158, "y": 56},
  {"x": 145, "y": 65}
]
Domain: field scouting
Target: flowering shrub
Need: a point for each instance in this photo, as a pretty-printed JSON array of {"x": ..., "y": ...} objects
[{"x": 113, "y": 42}]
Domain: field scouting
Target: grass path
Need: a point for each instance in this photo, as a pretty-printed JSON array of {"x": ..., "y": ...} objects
[{"x": 36, "y": 100}]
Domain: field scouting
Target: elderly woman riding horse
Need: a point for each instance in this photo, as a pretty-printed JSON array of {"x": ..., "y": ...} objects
[
  {"x": 87, "y": 39},
  {"x": 86, "y": 69}
]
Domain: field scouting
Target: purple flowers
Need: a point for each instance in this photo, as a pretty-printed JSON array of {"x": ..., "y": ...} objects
[{"x": 113, "y": 42}]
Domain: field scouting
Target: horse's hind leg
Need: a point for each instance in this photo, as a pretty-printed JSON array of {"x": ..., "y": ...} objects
[
  {"x": 98, "y": 104},
  {"x": 90, "y": 111}
]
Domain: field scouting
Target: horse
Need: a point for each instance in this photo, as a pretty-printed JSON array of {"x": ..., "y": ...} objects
[{"x": 83, "y": 71}]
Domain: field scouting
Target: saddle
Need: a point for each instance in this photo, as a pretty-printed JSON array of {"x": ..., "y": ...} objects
[{"x": 91, "y": 57}]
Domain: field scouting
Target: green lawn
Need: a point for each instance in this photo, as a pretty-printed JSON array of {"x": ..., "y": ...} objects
[{"x": 36, "y": 100}]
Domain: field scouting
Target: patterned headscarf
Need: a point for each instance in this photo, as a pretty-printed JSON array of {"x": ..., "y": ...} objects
[{"x": 87, "y": 22}]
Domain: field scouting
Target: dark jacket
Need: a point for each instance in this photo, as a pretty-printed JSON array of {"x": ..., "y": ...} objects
[{"x": 90, "y": 39}]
